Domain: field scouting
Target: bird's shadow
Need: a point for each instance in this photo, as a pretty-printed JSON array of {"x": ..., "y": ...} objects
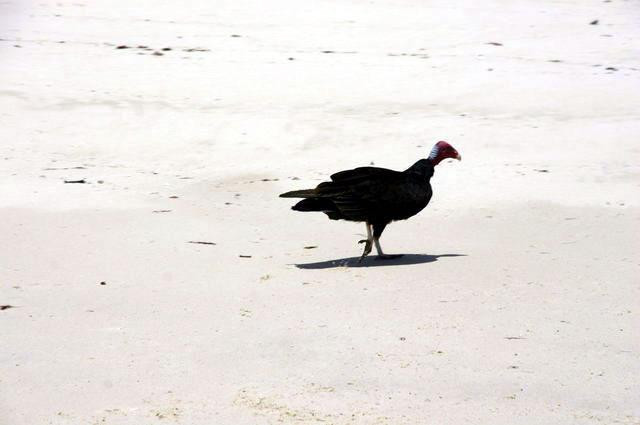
[{"x": 372, "y": 261}]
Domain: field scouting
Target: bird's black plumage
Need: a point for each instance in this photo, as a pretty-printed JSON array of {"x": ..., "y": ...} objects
[{"x": 370, "y": 194}]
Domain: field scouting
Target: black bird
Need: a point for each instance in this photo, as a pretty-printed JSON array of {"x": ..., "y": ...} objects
[{"x": 375, "y": 195}]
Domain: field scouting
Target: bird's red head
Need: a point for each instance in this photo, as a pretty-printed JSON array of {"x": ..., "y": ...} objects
[{"x": 443, "y": 150}]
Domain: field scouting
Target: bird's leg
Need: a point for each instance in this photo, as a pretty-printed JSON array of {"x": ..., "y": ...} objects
[
  {"x": 378, "y": 247},
  {"x": 367, "y": 243},
  {"x": 369, "y": 236},
  {"x": 382, "y": 255},
  {"x": 377, "y": 232}
]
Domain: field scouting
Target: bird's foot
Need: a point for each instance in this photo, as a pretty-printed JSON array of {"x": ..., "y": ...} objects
[
  {"x": 389, "y": 256},
  {"x": 368, "y": 244}
]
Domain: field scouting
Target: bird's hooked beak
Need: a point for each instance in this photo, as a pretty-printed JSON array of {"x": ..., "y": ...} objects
[{"x": 458, "y": 156}]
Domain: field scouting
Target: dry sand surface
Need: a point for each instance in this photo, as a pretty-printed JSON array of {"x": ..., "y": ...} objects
[{"x": 518, "y": 299}]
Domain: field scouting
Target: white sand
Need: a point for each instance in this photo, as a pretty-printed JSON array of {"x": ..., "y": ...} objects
[{"x": 534, "y": 322}]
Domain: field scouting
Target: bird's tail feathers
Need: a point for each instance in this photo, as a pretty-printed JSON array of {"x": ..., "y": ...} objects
[
  {"x": 305, "y": 193},
  {"x": 314, "y": 204}
]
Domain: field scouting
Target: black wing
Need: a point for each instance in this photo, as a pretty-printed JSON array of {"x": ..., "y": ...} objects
[
  {"x": 364, "y": 173},
  {"x": 375, "y": 194}
]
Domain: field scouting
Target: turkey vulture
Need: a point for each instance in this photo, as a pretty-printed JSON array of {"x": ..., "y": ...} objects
[{"x": 375, "y": 195}]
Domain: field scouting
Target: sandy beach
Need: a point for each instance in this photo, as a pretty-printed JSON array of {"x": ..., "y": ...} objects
[{"x": 149, "y": 273}]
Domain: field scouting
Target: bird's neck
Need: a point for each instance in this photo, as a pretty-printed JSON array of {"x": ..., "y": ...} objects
[{"x": 423, "y": 167}]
